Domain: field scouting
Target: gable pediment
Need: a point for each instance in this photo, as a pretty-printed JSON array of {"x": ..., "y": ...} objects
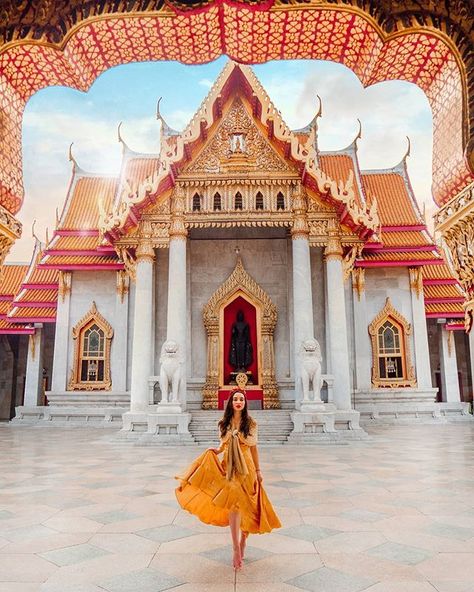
[{"x": 238, "y": 145}]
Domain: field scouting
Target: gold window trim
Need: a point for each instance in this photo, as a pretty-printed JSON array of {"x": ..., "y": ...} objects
[
  {"x": 391, "y": 314},
  {"x": 92, "y": 317}
]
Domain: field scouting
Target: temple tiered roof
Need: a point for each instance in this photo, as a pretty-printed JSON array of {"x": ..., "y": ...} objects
[{"x": 378, "y": 206}]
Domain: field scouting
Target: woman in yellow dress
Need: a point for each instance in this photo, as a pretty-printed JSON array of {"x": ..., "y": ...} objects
[{"x": 230, "y": 493}]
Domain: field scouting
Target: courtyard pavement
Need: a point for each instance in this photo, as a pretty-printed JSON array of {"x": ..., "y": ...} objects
[{"x": 81, "y": 511}]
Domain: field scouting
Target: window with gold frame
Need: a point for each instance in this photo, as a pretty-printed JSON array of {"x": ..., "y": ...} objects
[
  {"x": 391, "y": 365},
  {"x": 92, "y": 339}
]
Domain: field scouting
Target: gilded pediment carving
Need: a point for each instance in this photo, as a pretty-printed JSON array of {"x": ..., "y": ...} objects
[{"x": 238, "y": 146}]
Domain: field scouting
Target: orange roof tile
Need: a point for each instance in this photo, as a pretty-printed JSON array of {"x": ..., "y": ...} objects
[
  {"x": 4, "y": 306},
  {"x": 395, "y": 206},
  {"x": 442, "y": 308},
  {"x": 32, "y": 312},
  {"x": 405, "y": 256},
  {"x": 82, "y": 208},
  {"x": 79, "y": 260},
  {"x": 437, "y": 272},
  {"x": 139, "y": 169},
  {"x": 442, "y": 291},
  {"x": 11, "y": 278},
  {"x": 7, "y": 327},
  {"x": 38, "y": 296},
  {"x": 338, "y": 167},
  {"x": 404, "y": 238},
  {"x": 72, "y": 243}
]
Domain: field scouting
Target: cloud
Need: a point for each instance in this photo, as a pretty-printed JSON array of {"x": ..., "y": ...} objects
[{"x": 206, "y": 82}]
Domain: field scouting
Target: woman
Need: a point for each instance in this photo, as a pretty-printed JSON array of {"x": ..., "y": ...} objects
[{"x": 230, "y": 492}]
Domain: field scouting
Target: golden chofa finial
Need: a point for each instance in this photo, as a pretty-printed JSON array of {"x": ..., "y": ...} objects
[
  {"x": 407, "y": 153},
  {"x": 71, "y": 157},
  {"x": 166, "y": 130}
]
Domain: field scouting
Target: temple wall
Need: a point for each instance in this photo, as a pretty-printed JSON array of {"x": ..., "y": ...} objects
[
  {"x": 210, "y": 262},
  {"x": 89, "y": 286},
  {"x": 6, "y": 377},
  {"x": 392, "y": 282}
]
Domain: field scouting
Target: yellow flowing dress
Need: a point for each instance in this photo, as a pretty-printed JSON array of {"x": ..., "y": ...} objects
[{"x": 210, "y": 489}]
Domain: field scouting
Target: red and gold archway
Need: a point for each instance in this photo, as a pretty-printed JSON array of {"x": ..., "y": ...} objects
[{"x": 45, "y": 45}]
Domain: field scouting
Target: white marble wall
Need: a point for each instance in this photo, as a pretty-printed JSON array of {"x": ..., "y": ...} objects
[
  {"x": 268, "y": 261},
  {"x": 89, "y": 286},
  {"x": 319, "y": 301}
]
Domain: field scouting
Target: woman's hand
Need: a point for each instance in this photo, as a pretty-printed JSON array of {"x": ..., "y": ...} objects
[
  {"x": 259, "y": 476},
  {"x": 216, "y": 450}
]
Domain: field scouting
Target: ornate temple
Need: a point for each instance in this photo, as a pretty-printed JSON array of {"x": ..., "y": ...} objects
[{"x": 241, "y": 251}]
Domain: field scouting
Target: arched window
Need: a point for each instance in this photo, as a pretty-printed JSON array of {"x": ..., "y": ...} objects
[
  {"x": 92, "y": 337},
  {"x": 196, "y": 202},
  {"x": 280, "y": 201},
  {"x": 259, "y": 201},
  {"x": 238, "y": 201},
  {"x": 391, "y": 366},
  {"x": 217, "y": 201}
]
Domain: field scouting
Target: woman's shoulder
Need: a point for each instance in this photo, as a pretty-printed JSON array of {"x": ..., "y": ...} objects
[{"x": 253, "y": 422}]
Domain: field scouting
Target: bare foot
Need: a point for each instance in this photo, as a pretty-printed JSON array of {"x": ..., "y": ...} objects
[
  {"x": 237, "y": 559},
  {"x": 243, "y": 542}
]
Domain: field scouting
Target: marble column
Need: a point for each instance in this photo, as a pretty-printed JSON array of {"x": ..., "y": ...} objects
[
  {"x": 337, "y": 323},
  {"x": 60, "y": 373},
  {"x": 420, "y": 330},
  {"x": 176, "y": 323},
  {"x": 142, "y": 328},
  {"x": 471, "y": 356},
  {"x": 303, "y": 326},
  {"x": 118, "y": 354},
  {"x": 363, "y": 354},
  {"x": 34, "y": 368},
  {"x": 448, "y": 366}
]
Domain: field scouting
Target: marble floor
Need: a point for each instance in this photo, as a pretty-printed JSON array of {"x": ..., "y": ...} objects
[{"x": 81, "y": 511}]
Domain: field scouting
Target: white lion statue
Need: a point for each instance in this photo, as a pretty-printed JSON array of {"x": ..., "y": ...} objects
[
  {"x": 170, "y": 371},
  {"x": 310, "y": 370}
]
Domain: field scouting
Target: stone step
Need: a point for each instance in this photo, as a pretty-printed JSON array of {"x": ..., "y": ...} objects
[{"x": 274, "y": 426}]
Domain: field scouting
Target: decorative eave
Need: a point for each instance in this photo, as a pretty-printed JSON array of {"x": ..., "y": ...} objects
[{"x": 176, "y": 152}]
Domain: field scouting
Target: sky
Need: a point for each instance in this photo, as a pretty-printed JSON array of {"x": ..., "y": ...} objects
[{"x": 55, "y": 117}]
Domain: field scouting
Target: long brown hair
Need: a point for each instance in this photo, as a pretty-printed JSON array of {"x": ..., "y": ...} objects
[{"x": 246, "y": 421}]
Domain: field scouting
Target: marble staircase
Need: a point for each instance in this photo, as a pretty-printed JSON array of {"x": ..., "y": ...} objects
[{"x": 274, "y": 426}]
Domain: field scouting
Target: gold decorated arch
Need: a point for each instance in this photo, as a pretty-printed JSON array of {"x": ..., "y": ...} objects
[
  {"x": 240, "y": 283},
  {"x": 391, "y": 314},
  {"x": 91, "y": 318}
]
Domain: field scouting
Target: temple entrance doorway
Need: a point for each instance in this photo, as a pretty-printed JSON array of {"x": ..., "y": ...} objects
[{"x": 240, "y": 320}]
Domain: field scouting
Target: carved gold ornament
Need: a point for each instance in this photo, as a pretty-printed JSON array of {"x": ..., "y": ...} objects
[
  {"x": 87, "y": 362},
  {"x": 391, "y": 315},
  {"x": 240, "y": 283},
  {"x": 358, "y": 281},
  {"x": 65, "y": 281},
  {"x": 416, "y": 280}
]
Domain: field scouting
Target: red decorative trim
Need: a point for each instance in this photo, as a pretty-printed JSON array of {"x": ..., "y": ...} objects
[
  {"x": 403, "y": 228},
  {"x": 35, "y": 304},
  {"x": 455, "y": 327},
  {"x": 404, "y": 249},
  {"x": 444, "y": 315},
  {"x": 20, "y": 331},
  {"x": 78, "y": 266},
  {"x": 440, "y": 282},
  {"x": 447, "y": 300},
  {"x": 39, "y": 286},
  {"x": 87, "y": 232},
  {"x": 32, "y": 319},
  {"x": 6, "y": 297},
  {"x": 402, "y": 263},
  {"x": 72, "y": 252}
]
